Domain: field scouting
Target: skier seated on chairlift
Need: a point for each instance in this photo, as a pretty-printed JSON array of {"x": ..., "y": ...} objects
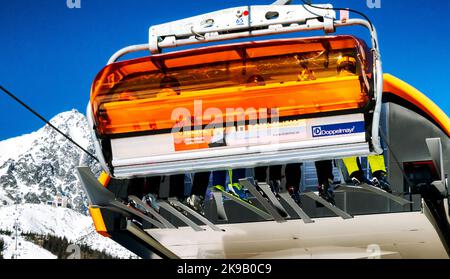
[
  {"x": 170, "y": 86},
  {"x": 292, "y": 176},
  {"x": 219, "y": 177},
  {"x": 346, "y": 65},
  {"x": 293, "y": 170}
]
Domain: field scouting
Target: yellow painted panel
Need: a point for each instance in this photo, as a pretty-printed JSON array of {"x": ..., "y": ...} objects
[{"x": 99, "y": 223}]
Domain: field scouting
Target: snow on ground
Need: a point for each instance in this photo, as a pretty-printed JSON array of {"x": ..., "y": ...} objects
[
  {"x": 100, "y": 243},
  {"x": 61, "y": 222},
  {"x": 43, "y": 219},
  {"x": 25, "y": 249},
  {"x": 39, "y": 166}
]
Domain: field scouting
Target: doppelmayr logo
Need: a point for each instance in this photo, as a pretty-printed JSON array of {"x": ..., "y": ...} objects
[{"x": 338, "y": 129}]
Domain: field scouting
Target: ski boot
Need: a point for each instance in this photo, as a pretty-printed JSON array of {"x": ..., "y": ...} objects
[
  {"x": 359, "y": 178},
  {"x": 151, "y": 199},
  {"x": 326, "y": 192},
  {"x": 379, "y": 180},
  {"x": 275, "y": 186},
  {"x": 238, "y": 190},
  {"x": 196, "y": 203},
  {"x": 295, "y": 195}
]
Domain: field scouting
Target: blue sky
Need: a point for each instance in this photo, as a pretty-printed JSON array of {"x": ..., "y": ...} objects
[{"x": 49, "y": 54}]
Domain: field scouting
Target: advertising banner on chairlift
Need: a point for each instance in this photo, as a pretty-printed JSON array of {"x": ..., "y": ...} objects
[
  {"x": 269, "y": 133},
  {"x": 243, "y": 135},
  {"x": 315, "y": 132}
]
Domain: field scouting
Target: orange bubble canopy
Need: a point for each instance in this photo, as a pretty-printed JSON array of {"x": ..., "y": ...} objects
[{"x": 293, "y": 77}]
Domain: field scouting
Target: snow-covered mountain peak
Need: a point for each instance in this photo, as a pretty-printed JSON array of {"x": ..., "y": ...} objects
[
  {"x": 37, "y": 167},
  {"x": 73, "y": 124}
]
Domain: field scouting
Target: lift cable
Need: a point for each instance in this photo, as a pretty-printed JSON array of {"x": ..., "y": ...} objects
[{"x": 47, "y": 122}]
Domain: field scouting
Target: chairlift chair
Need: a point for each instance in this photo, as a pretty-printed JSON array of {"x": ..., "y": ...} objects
[{"x": 302, "y": 107}]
